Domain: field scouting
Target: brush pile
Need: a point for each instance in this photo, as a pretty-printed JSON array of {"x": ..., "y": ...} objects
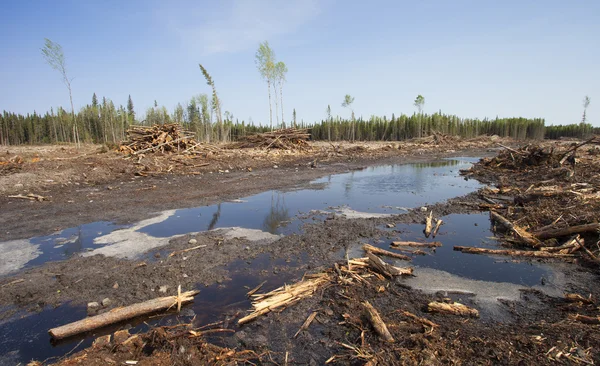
[
  {"x": 546, "y": 200},
  {"x": 164, "y": 138},
  {"x": 286, "y": 139}
]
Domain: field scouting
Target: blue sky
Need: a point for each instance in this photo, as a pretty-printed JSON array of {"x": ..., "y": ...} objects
[{"x": 471, "y": 58}]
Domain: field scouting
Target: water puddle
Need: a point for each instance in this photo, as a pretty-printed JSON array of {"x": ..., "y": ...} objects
[{"x": 374, "y": 191}]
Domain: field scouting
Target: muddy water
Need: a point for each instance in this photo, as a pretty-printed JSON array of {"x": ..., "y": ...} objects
[{"x": 383, "y": 190}]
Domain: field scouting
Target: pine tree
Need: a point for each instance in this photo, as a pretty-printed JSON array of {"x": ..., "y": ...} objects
[
  {"x": 94, "y": 100},
  {"x": 130, "y": 111}
]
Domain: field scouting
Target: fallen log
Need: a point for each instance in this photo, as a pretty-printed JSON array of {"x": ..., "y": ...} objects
[
  {"x": 432, "y": 244},
  {"x": 586, "y": 319},
  {"x": 570, "y": 246},
  {"x": 375, "y": 319},
  {"x": 409, "y": 250},
  {"x": 556, "y": 233},
  {"x": 385, "y": 269},
  {"x": 369, "y": 248},
  {"x": 120, "y": 314},
  {"x": 437, "y": 227},
  {"x": 511, "y": 252},
  {"x": 521, "y": 234},
  {"x": 454, "y": 309},
  {"x": 579, "y": 298},
  {"x": 428, "y": 224}
]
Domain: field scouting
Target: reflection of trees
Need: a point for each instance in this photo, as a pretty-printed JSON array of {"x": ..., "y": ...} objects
[
  {"x": 215, "y": 218},
  {"x": 348, "y": 185},
  {"x": 277, "y": 214}
]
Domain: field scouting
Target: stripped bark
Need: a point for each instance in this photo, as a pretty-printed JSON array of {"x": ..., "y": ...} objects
[
  {"x": 369, "y": 248},
  {"x": 454, "y": 309},
  {"x": 377, "y": 323},
  {"x": 514, "y": 253}
]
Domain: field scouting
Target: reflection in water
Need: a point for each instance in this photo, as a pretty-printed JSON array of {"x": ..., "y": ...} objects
[
  {"x": 215, "y": 218},
  {"x": 278, "y": 213}
]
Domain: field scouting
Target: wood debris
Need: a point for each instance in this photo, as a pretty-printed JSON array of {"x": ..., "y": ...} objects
[
  {"x": 428, "y": 224},
  {"x": 454, "y": 309},
  {"x": 375, "y": 250},
  {"x": 378, "y": 324},
  {"x": 157, "y": 138},
  {"x": 186, "y": 250},
  {"x": 30, "y": 197},
  {"x": 433, "y": 244},
  {"x": 119, "y": 314},
  {"x": 511, "y": 252},
  {"x": 286, "y": 139},
  {"x": 285, "y": 296},
  {"x": 386, "y": 269},
  {"x": 307, "y": 322}
]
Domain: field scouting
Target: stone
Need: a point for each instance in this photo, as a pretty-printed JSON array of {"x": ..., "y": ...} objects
[
  {"x": 163, "y": 289},
  {"x": 92, "y": 308},
  {"x": 423, "y": 209},
  {"x": 391, "y": 225},
  {"x": 192, "y": 241},
  {"x": 275, "y": 167},
  {"x": 106, "y": 302},
  {"x": 116, "y": 285}
]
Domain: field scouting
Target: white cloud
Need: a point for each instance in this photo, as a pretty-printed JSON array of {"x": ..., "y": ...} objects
[{"x": 242, "y": 24}]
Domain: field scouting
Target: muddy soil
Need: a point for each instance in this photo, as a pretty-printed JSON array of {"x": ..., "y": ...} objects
[{"x": 539, "y": 330}]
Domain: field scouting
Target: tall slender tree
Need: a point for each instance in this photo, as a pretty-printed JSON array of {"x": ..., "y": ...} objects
[
  {"x": 280, "y": 74},
  {"x": 329, "y": 120},
  {"x": 130, "y": 111},
  {"x": 216, "y": 102},
  {"x": 265, "y": 62},
  {"x": 347, "y": 103},
  {"x": 55, "y": 57},
  {"x": 420, "y": 103},
  {"x": 586, "y": 104}
]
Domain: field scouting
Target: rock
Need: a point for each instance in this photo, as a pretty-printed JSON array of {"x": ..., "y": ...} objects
[
  {"x": 163, "y": 289},
  {"x": 92, "y": 308},
  {"x": 391, "y": 225},
  {"x": 116, "y": 285},
  {"x": 423, "y": 209},
  {"x": 247, "y": 248},
  {"x": 106, "y": 302},
  {"x": 275, "y": 167},
  {"x": 184, "y": 275},
  {"x": 192, "y": 241}
]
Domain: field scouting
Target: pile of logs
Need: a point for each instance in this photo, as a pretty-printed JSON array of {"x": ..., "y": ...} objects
[
  {"x": 158, "y": 138},
  {"x": 286, "y": 139}
]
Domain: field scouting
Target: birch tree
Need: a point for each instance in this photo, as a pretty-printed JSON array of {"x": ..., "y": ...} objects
[
  {"x": 55, "y": 57},
  {"x": 347, "y": 103},
  {"x": 280, "y": 73},
  {"x": 265, "y": 62}
]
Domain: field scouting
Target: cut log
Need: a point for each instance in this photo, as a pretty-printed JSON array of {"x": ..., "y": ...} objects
[
  {"x": 375, "y": 319},
  {"x": 409, "y": 250},
  {"x": 579, "y": 298},
  {"x": 432, "y": 244},
  {"x": 521, "y": 234},
  {"x": 120, "y": 314},
  {"x": 569, "y": 245},
  {"x": 385, "y": 269},
  {"x": 438, "y": 223},
  {"x": 428, "y": 224},
  {"x": 586, "y": 319},
  {"x": 454, "y": 309},
  {"x": 556, "y": 233},
  {"x": 514, "y": 253},
  {"x": 375, "y": 250}
]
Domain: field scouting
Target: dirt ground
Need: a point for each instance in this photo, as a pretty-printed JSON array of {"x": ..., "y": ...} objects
[{"x": 104, "y": 186}]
